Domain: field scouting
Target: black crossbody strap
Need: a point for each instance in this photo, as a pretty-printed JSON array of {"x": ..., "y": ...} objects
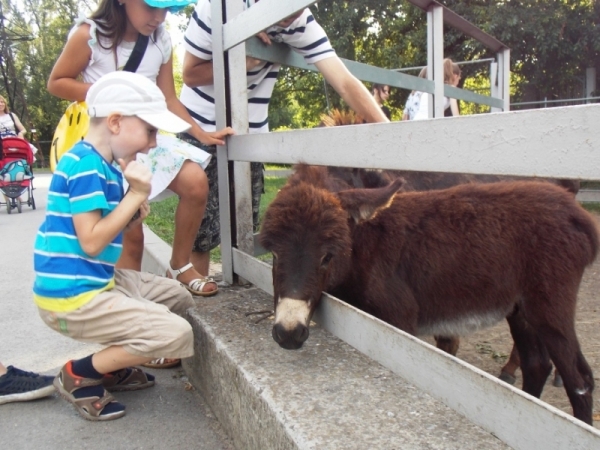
[
  {"x": 14, "y": 123},
  {"x": 137, "y": 53}
]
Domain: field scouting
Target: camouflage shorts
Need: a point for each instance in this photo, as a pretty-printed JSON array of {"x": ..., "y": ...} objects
[{"x": 209, "y": 234}]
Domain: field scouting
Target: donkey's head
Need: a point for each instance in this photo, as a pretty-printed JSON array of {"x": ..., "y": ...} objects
[{"x": 308, "y": 230}]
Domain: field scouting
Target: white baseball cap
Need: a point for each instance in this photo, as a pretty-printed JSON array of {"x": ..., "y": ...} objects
[{"x": 131, "y": 94}]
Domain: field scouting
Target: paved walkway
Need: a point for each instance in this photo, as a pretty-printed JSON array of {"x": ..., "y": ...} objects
[{"x": 165, "y": 416}]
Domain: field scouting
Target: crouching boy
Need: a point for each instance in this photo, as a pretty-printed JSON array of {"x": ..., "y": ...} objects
[{"x": 77, "y": 289}]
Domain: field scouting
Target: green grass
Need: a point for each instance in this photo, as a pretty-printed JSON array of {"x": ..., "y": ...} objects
[
  {"x": 591, "y": 207},
  {"x": 269, "y": 166},
  {"x": 161, "y": 219}
]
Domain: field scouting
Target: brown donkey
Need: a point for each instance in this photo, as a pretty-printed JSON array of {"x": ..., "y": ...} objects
[
  {"x": 427, "y": 181},
  {"x": 445, "y": 262}
]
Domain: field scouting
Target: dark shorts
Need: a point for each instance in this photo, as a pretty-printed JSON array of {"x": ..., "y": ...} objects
[{"x": 209, "y": 234}]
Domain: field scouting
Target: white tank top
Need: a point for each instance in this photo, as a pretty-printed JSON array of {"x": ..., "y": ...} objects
[
  {"x": 102, "y": 61},
  {"x": 7, "y": 126}
]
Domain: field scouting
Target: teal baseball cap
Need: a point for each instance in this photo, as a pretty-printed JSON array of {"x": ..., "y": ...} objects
[{"x": 171, "y": 5}]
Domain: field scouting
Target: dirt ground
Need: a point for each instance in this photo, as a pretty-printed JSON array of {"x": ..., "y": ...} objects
[{"x": 489, "y": 349}]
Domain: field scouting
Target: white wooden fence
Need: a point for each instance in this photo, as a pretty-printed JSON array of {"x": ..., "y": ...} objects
[{"x": 559, "y": 142}]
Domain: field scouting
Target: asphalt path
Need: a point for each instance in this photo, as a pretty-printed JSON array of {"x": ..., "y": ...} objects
[{"x": 168, "y": 415}]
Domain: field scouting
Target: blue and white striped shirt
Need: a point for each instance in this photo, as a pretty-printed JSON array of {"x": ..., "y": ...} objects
[
  {"x": 66, "y": 277},
  {"x": 304, "y": 36}
]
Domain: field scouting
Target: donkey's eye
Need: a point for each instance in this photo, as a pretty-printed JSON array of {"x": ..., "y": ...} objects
[{"x": 326, "y": 259}]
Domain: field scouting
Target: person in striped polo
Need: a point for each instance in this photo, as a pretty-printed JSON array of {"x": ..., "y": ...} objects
[{"x": 305, "y": 36}]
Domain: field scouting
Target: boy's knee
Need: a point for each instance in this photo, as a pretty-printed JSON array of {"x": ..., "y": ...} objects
[
  {"x": 181, "y": 339},
  {"x": 183, "y": 300},
  {"x": 186, "y": 300}
]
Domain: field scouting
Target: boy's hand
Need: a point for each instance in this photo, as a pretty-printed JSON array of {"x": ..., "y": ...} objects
[{"x": 138, "y": 176}]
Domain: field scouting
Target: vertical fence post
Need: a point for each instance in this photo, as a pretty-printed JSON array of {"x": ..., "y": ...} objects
[
  {"x": 238, "y": 101},
  {"x": 218, "y": 14},
  {"x": 505, "y": 77},
  {"x": 435, "y": 57},
  {"x": 590, "y": 83},
  {"x": 494, "y": 83},
  {"x": 430, "y": 47}
]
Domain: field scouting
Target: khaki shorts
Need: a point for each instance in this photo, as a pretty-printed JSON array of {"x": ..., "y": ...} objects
[{"x": 140, "y": 314}]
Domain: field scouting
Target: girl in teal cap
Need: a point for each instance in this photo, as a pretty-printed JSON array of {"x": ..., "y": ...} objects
[{"x": 103, "y": 43}]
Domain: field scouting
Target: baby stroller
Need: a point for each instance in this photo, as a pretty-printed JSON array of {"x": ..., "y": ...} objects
[{"x": 16, "y": 172}]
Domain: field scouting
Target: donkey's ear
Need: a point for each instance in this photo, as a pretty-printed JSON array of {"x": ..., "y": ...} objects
[{"x": 364, "y": 204}]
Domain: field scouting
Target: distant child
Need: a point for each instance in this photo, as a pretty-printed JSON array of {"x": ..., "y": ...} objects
[
  {"x": 417, "y": 104},
  {"x": 77, "y": 289},
  {"x": 381, "y": 93}
]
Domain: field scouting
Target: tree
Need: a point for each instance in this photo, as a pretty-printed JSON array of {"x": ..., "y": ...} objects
[
  {"x": 48, "y": 22},
  {"x": 552, "y": 42}
]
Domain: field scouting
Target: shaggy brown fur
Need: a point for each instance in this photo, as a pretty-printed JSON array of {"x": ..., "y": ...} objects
[
  {"x": 426, "y": 181},
  {"x": 444, "y": 262}
]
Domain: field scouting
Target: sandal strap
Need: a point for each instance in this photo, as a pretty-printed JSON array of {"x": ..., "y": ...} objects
[
  {"x": 96, "y": 403},
  {"x": 198, "y": 284},
  {"x": 129, "y": 378},
  {"x": 176, "y": 272},
  {"x": 73, "y": 383}
]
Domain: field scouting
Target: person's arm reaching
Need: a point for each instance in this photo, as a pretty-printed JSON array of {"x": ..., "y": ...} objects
[
  {"x": 199, "y": 72},
  {"x": 354, "y": 93}
]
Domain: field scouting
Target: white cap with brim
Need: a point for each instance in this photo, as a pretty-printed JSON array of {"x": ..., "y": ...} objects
[{"x": 131, "y": 94}]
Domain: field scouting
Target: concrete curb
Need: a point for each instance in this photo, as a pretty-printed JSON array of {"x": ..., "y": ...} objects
[{"x": 326, "y": 395}]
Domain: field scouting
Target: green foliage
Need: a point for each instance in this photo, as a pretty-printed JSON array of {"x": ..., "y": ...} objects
[
  {"x": 552, "y": 43},
  {"x": 48, "y": 23}
]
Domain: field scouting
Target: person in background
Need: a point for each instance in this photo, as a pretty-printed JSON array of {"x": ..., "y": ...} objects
[
  {"x": 16, "y": 385},
  {"x": 417, "y": 104},
  {"x": 381, "y": 92},
  {"x": 413, "y": 102},
  {"x": 305, "y": 36},
  {"x": 10, "y": 125}
]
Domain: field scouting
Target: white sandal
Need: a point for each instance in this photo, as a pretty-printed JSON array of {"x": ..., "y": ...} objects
[{"x": 196, "y": 285}]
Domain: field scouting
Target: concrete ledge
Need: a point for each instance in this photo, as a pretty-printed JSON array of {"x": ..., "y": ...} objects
[{"x": 326, "y": 395}]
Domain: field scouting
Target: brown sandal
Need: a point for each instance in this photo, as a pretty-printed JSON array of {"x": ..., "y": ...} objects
[
  {"x": 128, "y": 379},
  {"x": 90, "y": 408}
]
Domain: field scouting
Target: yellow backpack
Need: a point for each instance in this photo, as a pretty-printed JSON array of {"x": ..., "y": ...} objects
[{"x": 72, "y": 128}]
